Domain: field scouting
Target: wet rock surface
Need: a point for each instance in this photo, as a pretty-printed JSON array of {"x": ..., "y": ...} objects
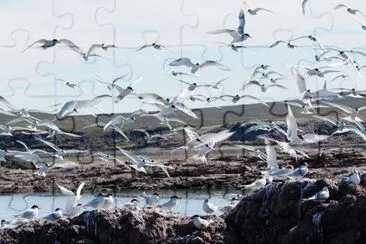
[
  {"x": 277, "y": 213},
  {"x": 221, "y": 172},
  {"x": 119, "y": 225}
]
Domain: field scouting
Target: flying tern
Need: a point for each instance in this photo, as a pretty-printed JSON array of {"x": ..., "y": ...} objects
[
  {"x": 238, "y": 35},
  {"x": 256, "y": 10},
  {"x": 196, "y": 66},
  {"x": 71, "y": 207}
]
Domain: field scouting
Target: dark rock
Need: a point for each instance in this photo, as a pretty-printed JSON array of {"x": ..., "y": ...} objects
[
  {"x": 275, "y": 214},
  {"x": 118, "y": 226}
]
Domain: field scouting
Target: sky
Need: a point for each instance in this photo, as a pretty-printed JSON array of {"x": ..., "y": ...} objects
[{"x": 29, "y": 77}]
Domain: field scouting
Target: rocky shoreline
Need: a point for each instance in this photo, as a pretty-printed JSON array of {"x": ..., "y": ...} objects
[
  {"x": 221, "y": 172},
  {"x": 276, "y": 213}
]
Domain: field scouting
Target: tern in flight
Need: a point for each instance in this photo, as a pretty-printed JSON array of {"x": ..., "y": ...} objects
[
  {"x": 238, "y": 35},
  {"x": 196, "y": 66},
  {"x": 256, "y": 10}
]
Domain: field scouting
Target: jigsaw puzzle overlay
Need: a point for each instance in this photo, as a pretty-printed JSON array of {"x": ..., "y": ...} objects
[{"x": 232, "y": 98}]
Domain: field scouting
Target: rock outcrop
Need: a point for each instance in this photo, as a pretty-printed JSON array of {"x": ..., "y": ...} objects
[
  {"x": 119, "y": 225},
  {"x": 275, "y": 214}
]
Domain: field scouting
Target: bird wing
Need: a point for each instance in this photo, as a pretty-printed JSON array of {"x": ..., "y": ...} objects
[
  {"x": 208, "y": 63},
  {"x": 91, "y": 102},
  {"x": 185, "y": 109},
  {"x": 342, "y": 107},
  {"x": 325, "y": 118},
  {"x": 144, "y": 46},
  {"x": 276, "y": 43},
  {"x": 130, "y": 155},
  {"x": 50, "y": 144},
  {"x": 299, "y": 79},
  {"x": 65, "y": 191},
  {"x": 182, "y": 61},
  {"x": 92, "y": 47},
  {"x": 340, "y": 6},
  {"x": 71, "y": 45},
  {"x": 304, "y": 2},
  {"x": 232, "y": 33},
  {"x": 256, "y": 10},
  {"x": 241, "y": 22}
]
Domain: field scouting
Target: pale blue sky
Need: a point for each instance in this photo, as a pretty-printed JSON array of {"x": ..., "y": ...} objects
[{"x": 183, "y": 25}]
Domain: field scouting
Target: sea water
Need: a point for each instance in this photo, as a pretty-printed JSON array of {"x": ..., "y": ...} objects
[{"x": 190, "y": 204}]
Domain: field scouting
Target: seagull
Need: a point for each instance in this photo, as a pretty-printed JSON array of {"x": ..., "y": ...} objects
[
  {"x": 294, "y": 138},
  {"x": 299, "y": 172},
  {"x": 352, "y": 113},
  {"x": 300, "y": 80},
  {"x": 68, "y": 83},
  {"x": 108, "y": 201},
  {"x": 176, "y": 73},
  {"x": 28, "y": 214},
  {"x": 132, "y": 204},
  {"x": 151, "y": 201},
  {"x": 152, "y": 138},
  {"x": 169, "y": 204},
  {"x": 263, "y": 87},
  {"x": 141, "y": 161},
  {"x": 45, "y": 44},
  {"x": 74, "y": 105},
  {"x": 71, "y": 207},
  {"x": 256, "y": 10},
  {"x": 60, "y": 153},
  {"x": 208, "y": 207},
  {"x": 349, "y": 10},
  {"x": 200, "y": 223},
  {"x": 288, "y": 43},
  {"x": 312, "y": 38},
  {"x": 55, "y": 215},
  {"x": 256, "y": 185},
  {"x": 96, "y": 202},
  {"x": 123, "y": 92},
  {"x": 237, "y": 35},
  {"x": 196, "y": 66},
  {"x": 41, "y": 166},
  {"x": 229, "y": 207},
  {"x": 353, "y": 178},
  {"x": 237, "y": 97},
  {"x": 320, "y": 196},
  {"x": 155, "y": 46}
]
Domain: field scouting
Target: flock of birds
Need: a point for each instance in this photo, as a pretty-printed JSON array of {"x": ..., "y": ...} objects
[{"x": 327, "y": 61}]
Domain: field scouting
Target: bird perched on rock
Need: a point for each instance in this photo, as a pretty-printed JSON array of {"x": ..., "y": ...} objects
[
  {"x": 169, "y": 204},
  {"x": 208, "y": 207}
]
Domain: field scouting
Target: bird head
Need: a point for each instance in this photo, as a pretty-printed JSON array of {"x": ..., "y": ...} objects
[
  {"x": 206, "y": 200},
  {"x": 57, "y": 209},
  {"x": 100, "y": 195},
  {"x": 130, "y": 88},
  {"x": 55, "y": 40},
  {"x": 109, "y": 195},
  {"x": 247, "y": 35},
  {"x": 194, "y": 216},
  {"x": 175, "y": 197},
  {"x": 34, "y": 207},
  {"x": 156, "y": 194},
  {"x": 134, "y": 200}
]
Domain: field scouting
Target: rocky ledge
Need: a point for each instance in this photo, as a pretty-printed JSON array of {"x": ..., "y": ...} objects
[{"x": 277, "y": 213}]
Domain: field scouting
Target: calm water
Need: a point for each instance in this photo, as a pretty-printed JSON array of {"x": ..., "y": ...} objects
[{"x": 190, "y": 204}]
